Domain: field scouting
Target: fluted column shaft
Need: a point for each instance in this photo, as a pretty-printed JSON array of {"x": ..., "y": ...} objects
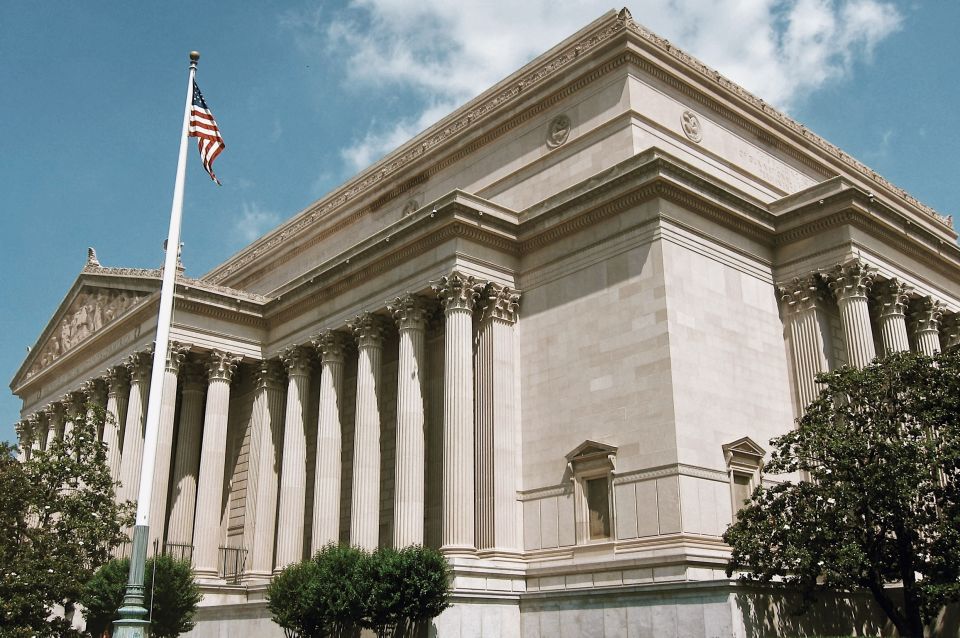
[
  {"x": 37, "y": 433},
  {"x": 927, "y": 314},
  {"x": 266, "y": 432},
  {"x": 850, "y": 283},
  {"x": 368, "y": 330},
  {"x": 186, "y": 465},
  {"x": 411, "y": 317},
  {"x": 161, "y": 469},
  {"x": 893, "y": 297},
  {"x": 131, "y": 460},
  {"x": 497, "y": 422},
  {"x": 54, "y": 423},
  {"x": 118, "y": 393},
  {"x": 293, "y": 476},
  {"x": 801, "y": 300},
  {"x": 206, "y": 530},
  {"x": 458, "y": 294},
  {"x": 326, "y": 491}
]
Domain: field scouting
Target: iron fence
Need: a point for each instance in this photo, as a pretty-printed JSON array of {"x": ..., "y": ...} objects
[{"x": 232, "y": 562}]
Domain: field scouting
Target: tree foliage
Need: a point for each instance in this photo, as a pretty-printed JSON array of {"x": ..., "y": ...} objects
[
  {"x": 342, "y": 589},
  {"x": 877, "y": 501},
  {"x": 170, "y": 590},
  {"x": 58, "y": 523}
]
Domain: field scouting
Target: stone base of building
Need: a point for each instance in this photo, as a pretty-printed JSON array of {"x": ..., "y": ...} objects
[{"x": 708, "y": 609}]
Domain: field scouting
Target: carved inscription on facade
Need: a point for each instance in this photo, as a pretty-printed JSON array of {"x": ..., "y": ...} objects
[{"x": 89, "y": 312}]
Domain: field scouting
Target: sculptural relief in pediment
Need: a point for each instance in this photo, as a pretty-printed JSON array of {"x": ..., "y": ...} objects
[{"x": 89, "y": 312}]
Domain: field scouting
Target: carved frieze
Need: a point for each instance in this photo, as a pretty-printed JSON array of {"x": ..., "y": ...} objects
[{"x": 90, "y": 311}]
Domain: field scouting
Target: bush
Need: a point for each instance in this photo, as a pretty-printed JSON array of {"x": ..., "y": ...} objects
[
  {"x": 343, "y": 588},
  {"x": 175, "y": 596}
]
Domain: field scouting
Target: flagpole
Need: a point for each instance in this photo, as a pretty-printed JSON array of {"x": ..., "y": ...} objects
[{"x": 132, "y": 621}]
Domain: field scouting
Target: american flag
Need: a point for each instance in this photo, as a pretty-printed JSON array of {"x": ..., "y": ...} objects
[{"x": 204, "y": 127}]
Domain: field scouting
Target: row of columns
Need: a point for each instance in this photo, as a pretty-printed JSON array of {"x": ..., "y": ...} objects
[
  {"x": 479, "y": 434},
  {"x": 855, "y": 289}
]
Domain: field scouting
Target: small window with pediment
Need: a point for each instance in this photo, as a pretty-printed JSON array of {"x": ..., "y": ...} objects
[
  {"x": 591, "y": 467},
  {"x": 744, "y": 463}
]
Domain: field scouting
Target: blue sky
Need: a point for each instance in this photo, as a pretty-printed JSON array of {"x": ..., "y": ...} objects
[{"x": 306, "y": 94}]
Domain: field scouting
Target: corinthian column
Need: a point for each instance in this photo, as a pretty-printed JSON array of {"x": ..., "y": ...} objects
[
  {"x": 950, "y": 336},
  {"x": 326, "y": 490},
  {"x": 850, "y": 284},
  {"x": 93, "y": 394},
  {"x": 368, "y": 329},
  {"x": 54, "y": 414},
  {"x": 206, "y": 530},
  {"x": 118, "y": 392},
  {"x": 266, "y": 441},
  {"x": 23, "y": 440},
  {"x": 497, "y": 422},
  {"x": 458, "y": 294},
  {"x": 293, "y": 475},
  {"x": 410, "y": 314},
  {"x": 802, "y": 303},
  {"x": 893, "y": 297},
  {"x": 926, "y": 315},
  {"x": 161, "y": 469},
  {"x": 186, "y": 465},
  {"x": 38, "y": 433},
  {"x": 138, "y": 367}
]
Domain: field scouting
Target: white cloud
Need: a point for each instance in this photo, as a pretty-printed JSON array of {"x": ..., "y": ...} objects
[
  {"x": 447, "y": 52},
  {"x": 254, "y": 222}
]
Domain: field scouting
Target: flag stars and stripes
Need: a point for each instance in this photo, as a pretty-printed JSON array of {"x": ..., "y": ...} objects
[{"x": 204, "y": 128}]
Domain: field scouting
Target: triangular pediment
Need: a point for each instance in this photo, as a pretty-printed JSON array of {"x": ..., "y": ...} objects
[
  {"x": 591, "y": 449},
  {"x": 744, "y": 448},
  {"x": 98, "y": 298}
]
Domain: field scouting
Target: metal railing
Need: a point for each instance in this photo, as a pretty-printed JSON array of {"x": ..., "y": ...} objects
[
  {"x": 231, "y": 564},
  {"x": 179, "y": 551}
]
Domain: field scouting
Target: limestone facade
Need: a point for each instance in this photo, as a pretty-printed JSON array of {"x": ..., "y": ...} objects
[{"x": 551, "y": 336}]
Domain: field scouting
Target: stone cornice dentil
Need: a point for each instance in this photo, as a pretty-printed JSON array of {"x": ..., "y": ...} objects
[
  {"x": 221, "y": 366},
  {"x": 368, "y": 329},
  {"x": 331, "y": 345},
  {"x": 850, "y": 280},
  {"x": 800, "y": 294},
  {"x": 457, "y": 291},
  {"x": 409, "y": 311},
  {"x": 893, "y": 296}
]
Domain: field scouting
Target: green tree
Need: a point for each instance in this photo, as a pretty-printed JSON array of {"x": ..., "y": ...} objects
[
  {"x": 171, "y": 592},
  {"x": 878, "y": 456},
  {"x": 408, "y": 588},
  {"x": 58, "y": 523}
]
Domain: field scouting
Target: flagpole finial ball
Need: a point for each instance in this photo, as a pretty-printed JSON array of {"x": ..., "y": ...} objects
[{"x": 194, "y": 56}]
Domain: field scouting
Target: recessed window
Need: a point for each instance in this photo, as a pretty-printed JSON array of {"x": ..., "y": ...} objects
[
  {"x": 742, "y": 488},
  {"x": 744, "y": 462},
  {"x": 598, "y": 505}
]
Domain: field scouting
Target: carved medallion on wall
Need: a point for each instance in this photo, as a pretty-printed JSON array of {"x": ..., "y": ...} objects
[
  {"x": 691, "y": 126},
  {"x": 558, "y": 131}
]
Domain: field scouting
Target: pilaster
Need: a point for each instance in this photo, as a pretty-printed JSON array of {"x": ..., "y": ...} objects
[
  {"x": 458, "y": 294},
  {"x": 368, "y": 330},
  {"x": 332, "y": 347}
]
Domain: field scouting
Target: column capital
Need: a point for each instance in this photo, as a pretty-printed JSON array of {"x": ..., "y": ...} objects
[
  {"x": 500, "y": 302},
  {"x": 296, "y": 359},
  {"x": 221, "y": 366},
  {"x": 118, "y": 380},
  {"x": 925, "y": 314},
  {"x": 71, "y": 402},
  {"x": 850, "y": 280},
  {"x": 34, "y": 420},
  {"x": 176, "y": 353},
  {"x": 94, "y": 391},
  {"x": 409, "y": 311},
  {"x": 138, "y": 365},
  {"x": 368, "y": 329},
  {"x": 950, "y": 326},
  {"x": 893, "y": 296},
  {"x": 331, "y": 345},
  {"x": 268, "y": 374},
  {"x": 24, "y": 433},
  {"x": 51, "y": 411},
  {"x": 193, "y": 376},
  {"x": 800, "y": 294},
  {"x": 457, "y": 291}
]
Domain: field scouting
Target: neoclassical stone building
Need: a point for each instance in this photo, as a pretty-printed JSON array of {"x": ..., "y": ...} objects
[{"x": 552, "y": 335}]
